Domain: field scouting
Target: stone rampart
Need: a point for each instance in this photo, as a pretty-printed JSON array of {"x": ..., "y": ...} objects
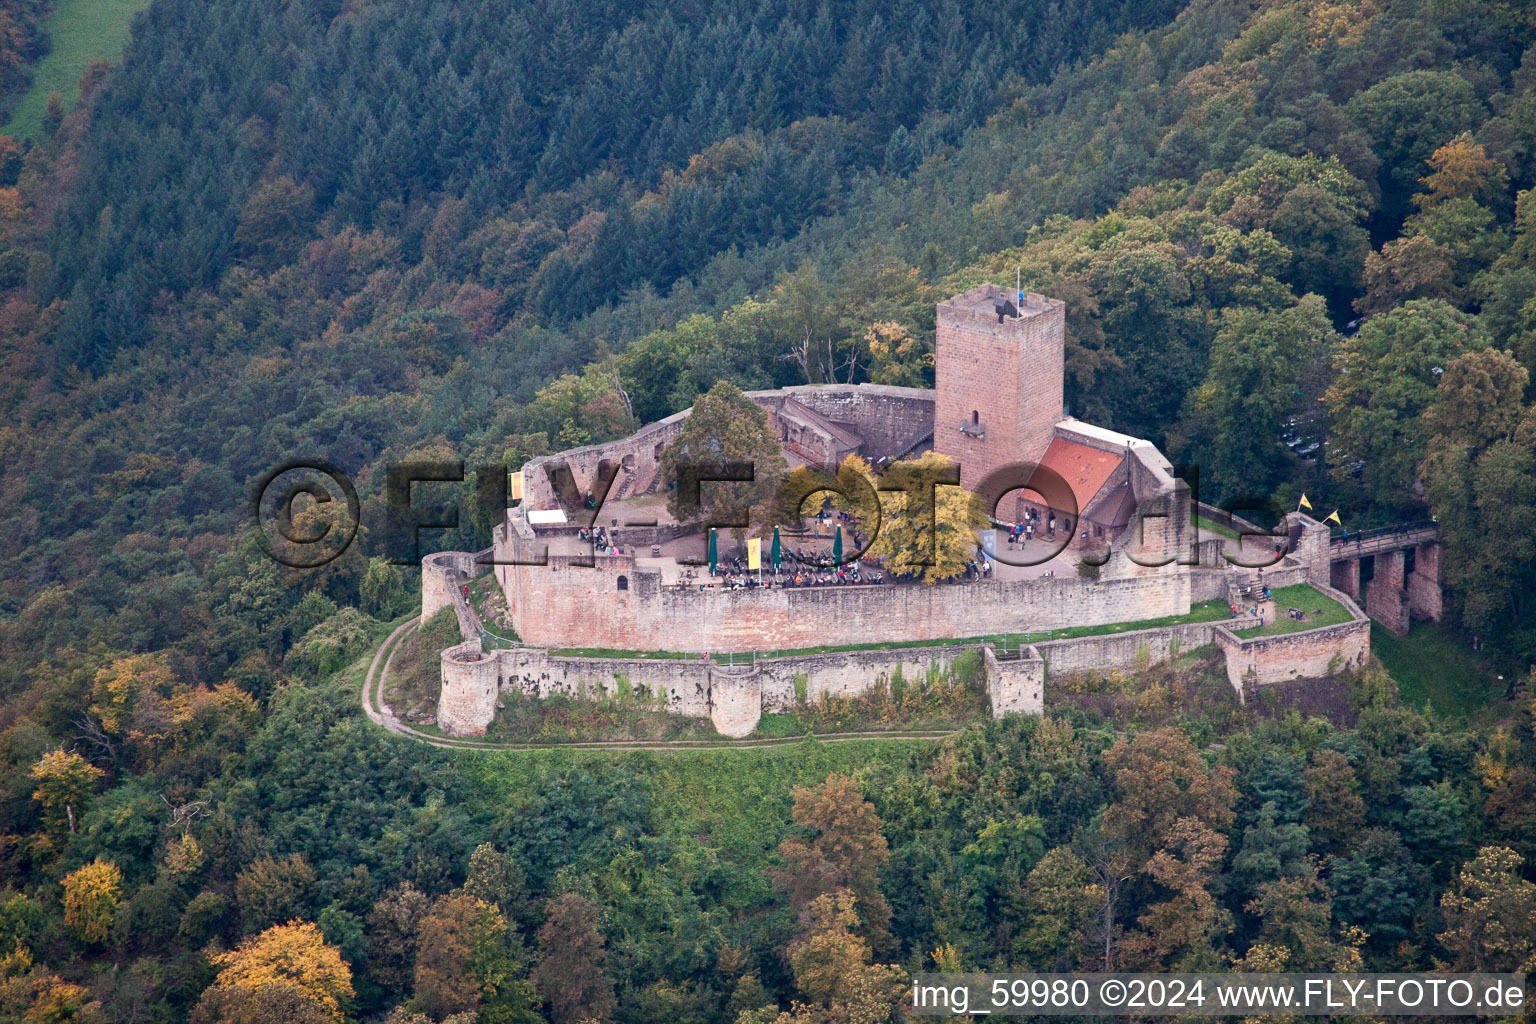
[
  {"x": 850, "y": 673},
  {"x": 563, "y": 605},
  {"x": 1307, "y": 654},
  {"x": 1128, "y": 651},
  {"x": 734, "y": 696}
]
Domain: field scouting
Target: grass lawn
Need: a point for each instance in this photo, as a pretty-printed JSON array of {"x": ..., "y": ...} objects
[
  {"x": 1206, "y": 611},
  {"x": 613, "y": 652},
  {"x": 1212, "y": 527},
  {"x": 83, "y": 31},
  {"x": 1320, "y": 609},
  {"x": 1432, "y": 668}
]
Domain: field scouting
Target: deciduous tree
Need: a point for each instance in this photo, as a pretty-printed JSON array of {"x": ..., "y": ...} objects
[
  {"x": 92, "y": 896},
  {"x": 64, "y": 784},
  {"x": 841, "y": 847},
  {"x": 926, "y": 532},
  {"x": 1386, "y": 377},
  {"x": 1490, "y": 914},
  {"x": 572, "y": 955},
  {"x": 726, "y": 426},
  {"x": 287, "y": 969}
]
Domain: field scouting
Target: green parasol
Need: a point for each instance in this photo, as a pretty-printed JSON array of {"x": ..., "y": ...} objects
[
  {"x": 714, "y": 552},
  {"x": 837, "y": 546},
  {"x": 775, "y": 555}
]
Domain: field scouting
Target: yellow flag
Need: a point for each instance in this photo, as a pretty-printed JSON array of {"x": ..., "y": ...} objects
[
  {"x": 1305, "y": 503},
  {"x": 755, "y": 553},
  {"x": 1333, "y": 517},
  {"x": 517, "y": 486}
]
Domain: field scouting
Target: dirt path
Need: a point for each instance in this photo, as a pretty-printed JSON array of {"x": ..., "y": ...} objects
[{"x": 382, "y": 714}]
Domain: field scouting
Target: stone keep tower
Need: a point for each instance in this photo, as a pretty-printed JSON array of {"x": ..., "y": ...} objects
[{"x": 998, "y": 371}]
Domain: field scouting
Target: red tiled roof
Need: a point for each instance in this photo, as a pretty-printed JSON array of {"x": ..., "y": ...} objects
[{"x": 1084, "y": 469}]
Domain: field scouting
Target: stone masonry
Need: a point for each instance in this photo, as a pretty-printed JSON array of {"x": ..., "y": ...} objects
[
  {"x": 997, "y": 404},
  {"x": 999, "y": 382}
]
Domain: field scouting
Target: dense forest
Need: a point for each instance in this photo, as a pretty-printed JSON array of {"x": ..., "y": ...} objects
[{"x": 1295, "y": 239}]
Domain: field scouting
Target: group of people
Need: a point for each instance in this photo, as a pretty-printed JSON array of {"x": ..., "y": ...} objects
[
  {"x": 1254, "y": 610},
  {"x": 736, "y": 577},
  {"x": 834, "y": 576},
  {"x": 1031, "y": 524},
  {"x": 599, "y": 539}
]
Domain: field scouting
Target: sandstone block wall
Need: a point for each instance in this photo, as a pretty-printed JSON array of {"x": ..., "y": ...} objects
[
  {"x": 680, "y": 686},
  {"x": 1125, "y": 652},
  {"x": 1310, "y": 546},
  {"x": 737, "y": 704},
  {"x": 1345, "y": 577},
  {"x": 441, "y": 576},
  {"x": 561, "y": 605},
  {"x": 890, "y": 419},
  {"x": 1208, "y": 585},
  {"x": 1015, "y": 685},
  {"x": 849, "y": 673},
  {"x": 638, "y": 458},
  {"x": 1386, "y": 600},
  {"x": 1286, "y": 574},
  {"x": 1424, "y": 596},
  {"x": 734, "y": 697},
  {"x": 1310, "y": 654}
]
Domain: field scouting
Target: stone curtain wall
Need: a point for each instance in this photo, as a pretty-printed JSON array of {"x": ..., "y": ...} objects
[
  {"x": 891, "y": 420},
  {"x": 1311, "y": 654},
  {"x": 442, "y": 575},
  {"x": 1123, "y": 651},
  {"x": 638, "y": 457},
  {"x": 684, "y": 683},
  {"x": 1208, "y": 584},
  {"x": 734, "y": 697},
  {"x": 850, "y": 673},
  {"x": 559, "y": 605}
]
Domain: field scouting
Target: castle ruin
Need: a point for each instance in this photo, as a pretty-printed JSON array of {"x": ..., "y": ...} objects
[{"x": 997, "y": 411}]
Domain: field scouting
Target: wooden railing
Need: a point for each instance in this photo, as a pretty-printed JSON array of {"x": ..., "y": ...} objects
[{"x": 1383, "y": 538}]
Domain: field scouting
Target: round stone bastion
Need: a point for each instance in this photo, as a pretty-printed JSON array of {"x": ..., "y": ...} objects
[{"x": 471, "y": 679}]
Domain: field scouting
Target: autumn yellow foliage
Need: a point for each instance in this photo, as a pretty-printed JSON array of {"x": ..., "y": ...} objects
[
  {"x": 91, "y": 898},
  {"x": 291, "y": 956},
  {"x": 64, "y": 781}
]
